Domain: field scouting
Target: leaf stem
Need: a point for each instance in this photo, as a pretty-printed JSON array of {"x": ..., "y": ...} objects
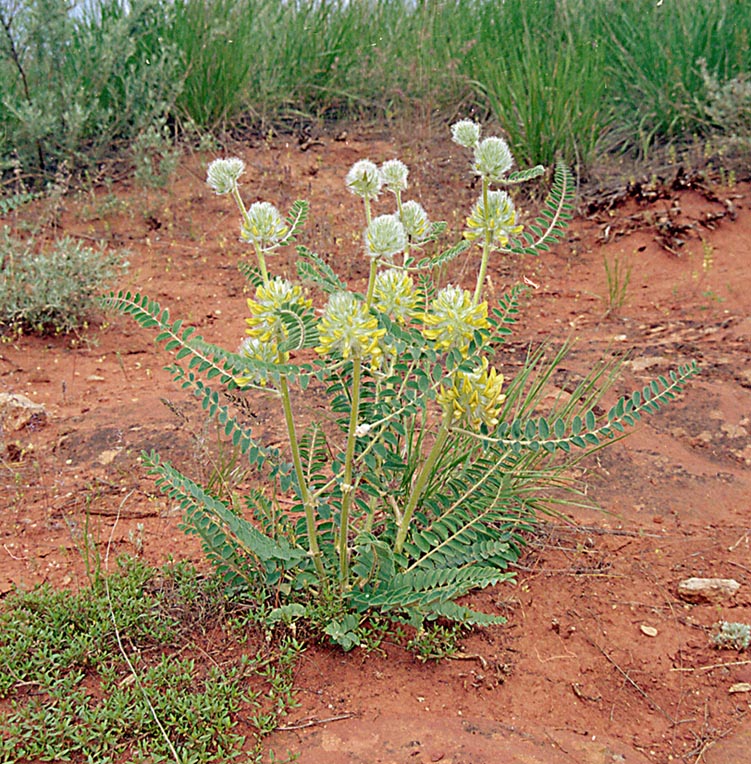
[{"x": 422, "y": 480}]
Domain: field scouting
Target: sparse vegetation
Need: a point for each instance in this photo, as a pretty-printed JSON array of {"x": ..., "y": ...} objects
[
  {"x": 618, "y": 276},
  {"x": 106, "y": 684}
]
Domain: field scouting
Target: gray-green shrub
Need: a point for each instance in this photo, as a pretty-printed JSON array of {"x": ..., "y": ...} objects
[{"x": 55, "y": 290}]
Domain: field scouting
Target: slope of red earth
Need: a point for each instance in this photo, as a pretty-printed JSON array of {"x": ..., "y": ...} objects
[{"x": 601, "y": 661}]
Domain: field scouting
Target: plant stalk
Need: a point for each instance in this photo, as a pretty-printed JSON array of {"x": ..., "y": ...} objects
[
  {"x": 348, "y": 488},
  {"x": 485, "y": 246},
  {"x": 307, "y": 500}
]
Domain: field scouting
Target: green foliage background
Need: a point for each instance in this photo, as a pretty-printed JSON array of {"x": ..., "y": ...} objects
[{"x": 562, "y": 77}]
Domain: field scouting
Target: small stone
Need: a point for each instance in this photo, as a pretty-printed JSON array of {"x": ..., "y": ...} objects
[
  {"x": 649, "y": 631},
  {"x": 699, "y": 590},
  {"x": 740, "y": 687},
  {"x": 108, "y": 456},
  {"x": 17, "y": 412}
]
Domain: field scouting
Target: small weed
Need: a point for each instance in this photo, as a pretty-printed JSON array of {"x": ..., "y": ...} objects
[
  {"x": 10, "y": 203},
  {"x": 732, "y": 635},
  {"x": 437, "y": 641},
  {"x": 618, "y": 277},
  {"x": 154, "y": 156}
]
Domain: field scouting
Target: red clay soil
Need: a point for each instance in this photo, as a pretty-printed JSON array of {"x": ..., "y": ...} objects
[{"x": 601, "y": 661}]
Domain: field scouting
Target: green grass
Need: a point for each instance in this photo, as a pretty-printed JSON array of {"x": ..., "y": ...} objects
[
  {"x": 541, "y": 72},
  {"x": 124, "y": 668},
  {"x": 573, "y": 78}
]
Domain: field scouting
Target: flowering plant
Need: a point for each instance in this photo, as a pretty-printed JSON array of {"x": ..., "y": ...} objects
[{"x": 436, "y": 464}]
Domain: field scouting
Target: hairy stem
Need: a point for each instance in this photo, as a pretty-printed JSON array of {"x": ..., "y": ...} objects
[{"x": 371, "y": 281}]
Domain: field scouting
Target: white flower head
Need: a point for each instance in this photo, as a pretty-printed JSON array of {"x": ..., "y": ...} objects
[
  {"x": 385, "y": 237},
  {"x": 394, "y": 174},
  {"x": 466, "y": 133},
  {"x": 415, "y": 221},
  {"x": 493, "y": 158},
  {"x": 364, "y": 179},
  {"x": 264, "y": 225},
  {"x": 222, "y": 174},
  {"x": 362, "y": 429}
]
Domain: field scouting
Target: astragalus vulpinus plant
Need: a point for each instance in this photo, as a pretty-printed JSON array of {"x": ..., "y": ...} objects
[{"x": 420, "y": 484}]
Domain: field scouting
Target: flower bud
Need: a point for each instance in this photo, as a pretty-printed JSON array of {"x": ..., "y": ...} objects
[
  {"x": 466, "y": 133},
  {"x": 222, "y": 174},
  {"x": 364, "y": 179},
  {"x": 263, "y": 225},
  {"x": 415, "y": 221},
  {"x": 385, "y": 237},
  {"x": 394, "y": 174},
  {"x": 493, "y": 158}
]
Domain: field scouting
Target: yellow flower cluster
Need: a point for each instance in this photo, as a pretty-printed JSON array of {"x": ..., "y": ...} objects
[
  {"x": 475, "y": 399},
  {"x": 348, "y": 329},
  {"x": 395, "y": 294},
  {"x": 266, "y": 311},
  {"x": 453, "y": 319},
  {"x": 498, "y": 220}
]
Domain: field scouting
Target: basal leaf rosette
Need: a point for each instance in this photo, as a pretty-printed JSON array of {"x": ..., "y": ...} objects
[
  {"x": 263, "y": 226},
  {"x": 348, "y": 329},
  {"x": 453, "y": 319},
  {"x": 395, "y": 295},
  {"x": 475, "y": 398},
  {"x": 266, "y": 321},
  {"x": 496, "y": 221}
]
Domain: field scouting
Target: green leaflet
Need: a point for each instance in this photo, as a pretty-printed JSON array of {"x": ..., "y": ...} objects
[{"x": 554, "y": 217}]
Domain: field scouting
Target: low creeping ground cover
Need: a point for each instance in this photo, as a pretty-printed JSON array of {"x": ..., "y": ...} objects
[
  {"x": 123, "y": 671},
  {"x": 428, "y": 468}
]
